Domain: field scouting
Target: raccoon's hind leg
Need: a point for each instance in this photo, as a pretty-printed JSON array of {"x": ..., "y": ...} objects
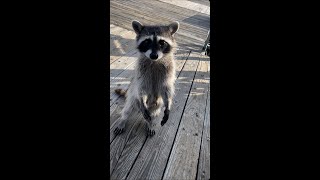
[
  {"x": 129, "y": 107},
  {"x": 150, "y": 128},
  {"x": 143, "y": 108},
  {"x": 155, "y": 110},
  {"x": 150, "y": 125}
]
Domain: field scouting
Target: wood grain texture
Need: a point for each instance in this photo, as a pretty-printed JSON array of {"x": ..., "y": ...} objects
[
  {"x": 184, "y": 156},
  {"x": 155, "y": 153},
  {"x": 189, "y": 5},
  {"x": 122, "y": 80},
  {"x": 121, "y": 46},
  {"x": 115, "y": 112},
  {"x": 191, "y": 35},
  {"x": 122, "y": 42},
  {"x": 116, "y": 30},
  {"x": 121, "y": 64},
  {"x": 125, "y": 147},
  {"x": 203, "y": 2},
  {"x": 204, "y": 159},
  {"x": 114, "y": 56}
]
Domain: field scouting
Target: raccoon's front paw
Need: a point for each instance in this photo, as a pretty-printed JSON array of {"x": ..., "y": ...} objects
[
  {"x": 146, "y": 115},
  {"x": 165, "y": 117},
  {"x": 118, "y": 130},
  {"x": 150, "y": 132}
]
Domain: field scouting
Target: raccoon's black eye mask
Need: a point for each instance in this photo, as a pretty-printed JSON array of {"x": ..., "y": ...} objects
[
  {"x": 145, "y": 45},
  {"x": 163, "y": 43},
  {"x": 149, "y": 44},
  {"x": 166, "y": 48}
]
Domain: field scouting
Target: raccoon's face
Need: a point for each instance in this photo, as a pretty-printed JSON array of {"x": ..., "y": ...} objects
[{"x": 155, "y": 42}]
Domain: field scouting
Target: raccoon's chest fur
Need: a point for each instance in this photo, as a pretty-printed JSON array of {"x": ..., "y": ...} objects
[{"x": 154, "y": 76}]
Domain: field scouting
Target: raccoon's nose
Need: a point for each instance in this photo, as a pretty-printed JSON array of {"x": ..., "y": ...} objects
[{"x": 154, "y": 56}]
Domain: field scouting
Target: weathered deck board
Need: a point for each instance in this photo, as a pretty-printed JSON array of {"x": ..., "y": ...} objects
[
  {"x": 122, "y": 80},
  {"x": 154, "y": 155},
  {"x": 192, "y": 36},
  {"x": 115, "y": 112},
  {"x": 204, "y": 160},
  {"x": 122, "y": 43},
  {"x": 115, "y": 56},
  {"x": 203, "y": 2},
  {"x": 115, "y": 30},
  {"x": 121, "y": 64},
  {"x": 125, "y": 147},
  {"x": 116, "y": 33},
  {"x": 184, "y": 156},
  {"x": 185, "y": 39},
  {"x": 121, "y": 46},
  {"x": 189, "y": 5},
  {"x": 162, "y": 15}
]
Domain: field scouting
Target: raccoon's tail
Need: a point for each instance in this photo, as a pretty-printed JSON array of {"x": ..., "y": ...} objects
[{"x": 121, "y": 92}]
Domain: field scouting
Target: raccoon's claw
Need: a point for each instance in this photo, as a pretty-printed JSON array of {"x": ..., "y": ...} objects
[
  {"x": 150, "y": 132},
  {"x": 118, "y": 130}
]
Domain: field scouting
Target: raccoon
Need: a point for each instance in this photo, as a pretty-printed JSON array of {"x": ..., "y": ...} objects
[{"x": 152, "y": 86}]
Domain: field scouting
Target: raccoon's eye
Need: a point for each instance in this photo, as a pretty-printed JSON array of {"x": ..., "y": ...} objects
[
  {"x": 162, "y": 43},
  {"x": 147, "y": 41}
]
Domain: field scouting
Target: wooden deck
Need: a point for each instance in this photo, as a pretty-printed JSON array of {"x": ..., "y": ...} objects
[{"x": 181, "y": 148}]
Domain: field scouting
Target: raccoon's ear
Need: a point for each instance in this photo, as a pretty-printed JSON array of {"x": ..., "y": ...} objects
[
  {"x": 137, "y": 26},
  {"x": 174, "y": 27}
]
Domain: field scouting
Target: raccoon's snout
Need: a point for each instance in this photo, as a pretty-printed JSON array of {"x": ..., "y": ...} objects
[{"x": 153, "y": 56}]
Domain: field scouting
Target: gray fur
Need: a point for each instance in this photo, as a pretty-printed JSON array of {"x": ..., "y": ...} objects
[
  {"x": 137, "y": 26},
  {"x": 152, "y": 87}
]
